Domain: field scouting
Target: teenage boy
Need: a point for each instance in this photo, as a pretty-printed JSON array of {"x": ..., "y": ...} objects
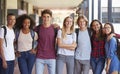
[{"x": 7, "y": 55}]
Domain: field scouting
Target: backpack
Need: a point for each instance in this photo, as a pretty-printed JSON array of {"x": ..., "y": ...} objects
[
  {"x": 34, "y": 42},
  {"x": 118, "y": 48},
  {"x": 5, "y": 32}
]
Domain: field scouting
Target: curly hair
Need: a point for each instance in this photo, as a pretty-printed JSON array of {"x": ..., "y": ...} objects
[{"x": 20, "y": 20}]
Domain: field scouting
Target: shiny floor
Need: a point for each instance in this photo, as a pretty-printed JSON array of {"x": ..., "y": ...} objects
[{"x": 45, "y": 71}]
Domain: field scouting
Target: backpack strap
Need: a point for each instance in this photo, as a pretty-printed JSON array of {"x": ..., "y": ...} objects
[
  {"x": 32, "y": 35},
  {"x": 77, "y": 32},
  {"x": 17, "y": 32},
  {"x": 5, "y": 32},
  {"x": 56, "y": 45},
  {"x": 89, "y": 31},
  {"x": 55, "y": 31},
  {"x": 118, "y": 48},
  {"x": 37, "y": 29}
]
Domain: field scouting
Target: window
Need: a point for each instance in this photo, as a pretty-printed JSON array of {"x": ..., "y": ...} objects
[{"x": 115, "y": 15}]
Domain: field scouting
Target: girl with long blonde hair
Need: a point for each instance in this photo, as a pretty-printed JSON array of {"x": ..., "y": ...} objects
[{"x": 66, "y": 39}]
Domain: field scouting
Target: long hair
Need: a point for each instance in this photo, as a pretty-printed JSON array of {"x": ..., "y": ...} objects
[
  {"x": 64, "y": 27},
  {"x": 100, "y": 30},
  {"x": 20, "y": 20},
  {"x": 112, "y": 28}
]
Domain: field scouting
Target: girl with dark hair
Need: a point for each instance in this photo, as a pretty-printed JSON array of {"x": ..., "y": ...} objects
[
  {"x": 112, "y": 64},
  {"x": 97, "y": 60},
  {"x": 24, "y": 43},
  {"x": 21, "y": 19}
]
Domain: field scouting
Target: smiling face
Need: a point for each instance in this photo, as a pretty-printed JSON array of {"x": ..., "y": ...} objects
[
  {"x": 46, "y": 18},
  {"x": 96, "y": 26},
  {"x": 82, "y": 23},
  {"x": 107, "y": 29},
  {"x": 11, "y": 20},
  {"x": 68, "y": 22},
  {"x": 26, "y": 23}
]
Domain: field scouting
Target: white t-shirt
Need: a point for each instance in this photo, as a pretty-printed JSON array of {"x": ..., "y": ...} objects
[
  {"x": 68, "y": 40},
  {"x": 9, "y": 50},
  {"x": 25, "y": 41}
]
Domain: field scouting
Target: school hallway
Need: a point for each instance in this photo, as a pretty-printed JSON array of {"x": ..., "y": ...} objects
[{"x": 92, "y": 9}]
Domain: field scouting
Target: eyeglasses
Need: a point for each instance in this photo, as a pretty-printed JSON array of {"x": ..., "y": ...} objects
[{"x": 107, "y": 27}]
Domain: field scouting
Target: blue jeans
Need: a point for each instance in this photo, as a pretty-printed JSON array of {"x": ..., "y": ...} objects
[
  {"x": 26, "y": 62},
  {"x": 97, "y": 65},
  {"x": 68, "y": 60},
  {"x": 10, "y": 68},
  {"x": 40, "y": 64},
  {"x": 82, "y": 66}
]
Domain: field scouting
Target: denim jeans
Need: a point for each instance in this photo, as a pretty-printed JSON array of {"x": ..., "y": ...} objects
[
  {"x": 40, "y": 64},
  {"x": 97, "y": 65},
  {"x": 0, "y": 65},
  {"x": 82, "y": 66},
  {"x": 68, "y": 60},
  {"x": 10, "y": 67},
  {"x": 26, "y": 62}
]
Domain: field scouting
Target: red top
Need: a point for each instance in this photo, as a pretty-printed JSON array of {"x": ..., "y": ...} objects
[
  {"x": 98, "y": 47},
  {"x": 117, "y": 35},
  {"x": 46, "y": 43}
]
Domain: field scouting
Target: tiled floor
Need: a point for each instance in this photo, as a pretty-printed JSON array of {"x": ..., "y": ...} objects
[{"x": 45, "y": 72}]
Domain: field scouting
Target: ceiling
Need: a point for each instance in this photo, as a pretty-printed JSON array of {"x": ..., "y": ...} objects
[{"x": 55, "y": 4}]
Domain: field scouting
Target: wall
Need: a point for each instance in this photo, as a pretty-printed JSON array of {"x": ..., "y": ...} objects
[
  {"x": 30, "y": 8},
  {"x": 11, "y": 4}
]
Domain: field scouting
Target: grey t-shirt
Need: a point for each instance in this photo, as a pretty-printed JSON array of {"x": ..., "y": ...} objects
[{"x": 83, "y": 50}]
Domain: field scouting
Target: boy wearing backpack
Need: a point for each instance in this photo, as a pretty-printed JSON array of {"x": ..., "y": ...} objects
[
  {"x": 83, "y": 50},
  {"x": 7, "y": 55},
  {"x": 46, "y": 52}
]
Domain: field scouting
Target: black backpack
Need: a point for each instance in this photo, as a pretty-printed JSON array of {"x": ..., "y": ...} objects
[
  {"x": 5, "y": 32},
  {"x": 118, "y": 48}
]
